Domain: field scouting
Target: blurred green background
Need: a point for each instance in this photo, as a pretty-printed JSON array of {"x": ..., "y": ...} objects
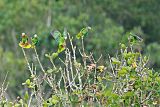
[{"x": 110, "y": 21}]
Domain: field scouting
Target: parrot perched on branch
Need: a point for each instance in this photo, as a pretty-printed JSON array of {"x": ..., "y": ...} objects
[
  {"x": 134, "y": 38},
  {"x": 60, "y": 39},
  {"x": 62, "y": 45},
  {"x": 34, "y": 40},
  {"x": 83, "y": 32},
  {"x": 24, "y": 43}
]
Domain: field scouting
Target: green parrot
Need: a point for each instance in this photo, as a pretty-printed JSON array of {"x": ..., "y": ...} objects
[
  {"x": 134, "y": 38},
  {"x": 62, "y": 44},
  {"x": 24, "y": 38},
  {"x": 83, "y": 32},
  {"x": 34, "y": 40},
  {"x": 24, "y": 41},
  {"x": 60, "y": 39}
]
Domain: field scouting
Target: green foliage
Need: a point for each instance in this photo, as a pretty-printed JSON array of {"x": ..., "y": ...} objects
[
  {"x": 124, "y": 81},
  {"x": 153, "y": 49},
  {"x": 14, "y": 67},
  {"x": 115, "y": 61},
  {"x": 111, "y": 20}
]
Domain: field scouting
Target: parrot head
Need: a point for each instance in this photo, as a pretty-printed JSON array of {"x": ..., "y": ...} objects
[{"x": 23, "y": 34}]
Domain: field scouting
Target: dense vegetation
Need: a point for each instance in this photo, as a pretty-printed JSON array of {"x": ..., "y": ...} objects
[
  {"x": 81, "y": 80},
  {"x": 110, "y": 20}
]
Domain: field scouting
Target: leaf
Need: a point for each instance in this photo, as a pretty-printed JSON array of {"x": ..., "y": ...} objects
[
  {"x": 16, "y": 105},
  {"x": 110, "y": 94},
  {"x": 134, "y": 65},
  {"x": 114, "y": 96},
  {"x": 47, "y": 55},
  {"x": 55, "y": 99},
  {"x": 45, "y": 104},
  {"x": 99, "y": 78},
  {"x": 28, "y": 82},
  {"x": 100, "y": 68},
  {"x": 107, "y": 92},
  {"x": 49, "y": 70},
  {"x": 77, "y": 92},
  {"x": 54, "y": 55},
  {"x": 26, "y": 96},
  {"x": 122, "y": 72},
  {"x": 128, "y": 94},
  {"x": 157, "y": 79},
  {"x": 123, "y": 46},
  {"x": 115, "y": 61}
]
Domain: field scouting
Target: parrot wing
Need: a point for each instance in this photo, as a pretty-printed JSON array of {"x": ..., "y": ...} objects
[{"x": 56, "y": 35}]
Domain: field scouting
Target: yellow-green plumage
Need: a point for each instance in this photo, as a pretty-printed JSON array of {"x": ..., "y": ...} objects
[
  {"x": 34, "y": 40},
  {"x": 60, "y": 39},
  {"x": 83, "y": 32},
  {"x": 24, "y": 43}
]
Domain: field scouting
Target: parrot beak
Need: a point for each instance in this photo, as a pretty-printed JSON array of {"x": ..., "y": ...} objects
[
  {"x": 23, "y": 34},
  {"x": 89, "y": 28},
  {"x": 35, "y": 35}
]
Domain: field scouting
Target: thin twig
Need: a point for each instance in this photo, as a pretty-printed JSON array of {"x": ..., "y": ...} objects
[
  {"x": 27, "y": 61},
  {"x": 30, "y": 100},
  {"x": 39, "y": 60},
  {"x": 84, "y": 55}
]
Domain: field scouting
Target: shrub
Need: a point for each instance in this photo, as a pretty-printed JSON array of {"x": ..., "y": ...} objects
[{"x": 80, "y": 80}]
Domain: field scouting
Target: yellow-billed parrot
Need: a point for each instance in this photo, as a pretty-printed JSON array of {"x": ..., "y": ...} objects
[
  {"x": 34, "y": 40},
  {"x": 24, "y": 43},
  {"x": 83, "y": 32},
  {"x": 60, "y": 39}
]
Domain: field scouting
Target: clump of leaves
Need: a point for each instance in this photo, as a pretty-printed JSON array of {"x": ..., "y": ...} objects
[{"x": 133, "y": 83}]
